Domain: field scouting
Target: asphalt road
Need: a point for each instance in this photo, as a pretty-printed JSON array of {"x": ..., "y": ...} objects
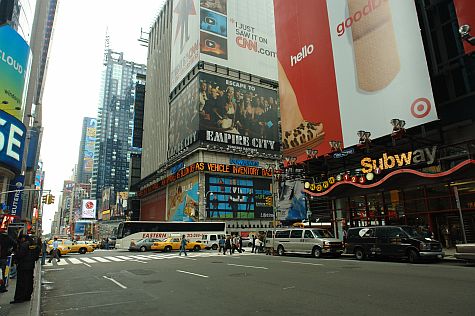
[{"x": 205, "y": 283}]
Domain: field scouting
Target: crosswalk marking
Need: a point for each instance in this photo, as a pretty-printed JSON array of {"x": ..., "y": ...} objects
[
  {"x": 100, "y": 259},
  {"x": 141, "y": 257},
  {"x": 124, "y": 257},
  {"x": 115, "y": 259},
  {"x": 62, "y": 263},
  {"x": 88, "y": 260},
  {"x": 75, "y": 261},
  {"x": 48, "y": 264}
]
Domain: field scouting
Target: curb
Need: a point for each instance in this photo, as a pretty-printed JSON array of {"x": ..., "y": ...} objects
[{"x": 35, "y": 301}]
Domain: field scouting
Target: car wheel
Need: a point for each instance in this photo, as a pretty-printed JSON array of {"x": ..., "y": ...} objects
[
  {"x": 143, "y": 248},
  {"x": 249, "y": 244},
  {"x": 82, "y": 251},
  {"x": 196, "y": 248},
  {"x": 317, "y": 252},
  {"x": 214, "y": 247},
  {"x": 167, "y": 249},
  {"x": 280, "y": 250},
  {"x": 360, "y": 254},
  {"x": 413, "y": 256}
]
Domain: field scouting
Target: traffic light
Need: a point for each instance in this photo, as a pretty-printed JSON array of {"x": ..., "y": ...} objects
[
  {"x": 44, "y": 199},
  {"x": 51, "y": 199}
]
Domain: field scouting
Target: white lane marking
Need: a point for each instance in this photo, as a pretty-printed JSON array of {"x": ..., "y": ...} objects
[
  {"x": 100, "y": 259},
  {"x": 141, "y": 257},
  {"x": 185, "y": 257},
  {"x": 240, "y": 265},
  {"x": 196, "y": 274},
  {"x": 48, "y": 264},
  {"x": 88, "y": 260},
  {"x": 62, "y": 263},
  {"x": 87, "y": 265},
  {"x": 57, "y": 269},
  {"x": 111, "y": 279},
  {"x": 307, "y": 263},
  {"x": 115, "y": 259},
  {"x": 288, "y": 288},
  {"x": 75, "y": 261},
  {"x": 136, "y": 260},
  {"x": 124, "y": 257}
]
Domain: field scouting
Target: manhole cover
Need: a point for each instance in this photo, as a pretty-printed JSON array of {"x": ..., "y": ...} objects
[
  {"x": 141, "y": 272},
  {"x": 216, "y": 262},
  {"x": 240, "y": 275},
  {"x": 152, "y": 281}
]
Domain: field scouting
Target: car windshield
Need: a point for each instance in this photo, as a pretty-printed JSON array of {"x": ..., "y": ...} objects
[
  {"x": 412, "y": 232},
  {"x": 322, "y": 233}
]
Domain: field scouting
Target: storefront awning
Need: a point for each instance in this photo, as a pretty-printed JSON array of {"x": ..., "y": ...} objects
[{"x": 400, "y": 178}]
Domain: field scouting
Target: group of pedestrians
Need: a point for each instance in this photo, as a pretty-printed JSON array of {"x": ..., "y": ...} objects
[{"x": 234, "y": 243}]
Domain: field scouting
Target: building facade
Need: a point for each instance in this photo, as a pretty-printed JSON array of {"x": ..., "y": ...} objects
[{"x": 114, "y": 125}]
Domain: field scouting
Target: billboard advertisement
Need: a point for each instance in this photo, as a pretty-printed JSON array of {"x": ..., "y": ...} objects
[
  {"x": 15, "y": 60},
  {"x": 89, "y": 142},
  {"x": 292, "y": 204},
  {"x": 231, "y": 33},
  {"x": 184, "y": 119},
  {"x": 88, "y": 209},
  {"x": 466, "y": 16},
  {"x": 183, "y": 201},
  {"x": 346, "y": 66},
  {"x": 12, "y": 146},
  {"x": 238, "y": 198},
  {"x": 185, "y": 52},
  {"x": 235, "y": 113}
]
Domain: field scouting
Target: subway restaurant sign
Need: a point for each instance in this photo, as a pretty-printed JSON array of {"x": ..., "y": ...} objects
[{"x": 386, "y": 162}]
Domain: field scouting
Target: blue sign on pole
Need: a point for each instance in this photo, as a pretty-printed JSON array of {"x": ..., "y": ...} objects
[{"x": 15, "y": 198}]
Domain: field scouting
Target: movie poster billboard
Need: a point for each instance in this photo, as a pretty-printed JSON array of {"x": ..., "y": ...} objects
[
  {"x": 15, "y": 60},
  {"x": 346, "y": 66},
  {"x": 238, "y": 198},
  {"x": 292, "y": 204},
  {"x": 184, "y": 119},
  {"x": 183, "y": 201},
  {"x": 89, "y": 143},
  {"x": 185, "y": 51},
  {"x": 239, "y": 35},
  {"x": 466, "y": 16},
  {"x": 237, "y": 114}
]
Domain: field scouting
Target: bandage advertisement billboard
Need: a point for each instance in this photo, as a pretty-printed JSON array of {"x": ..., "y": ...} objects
[
  {"x": 347, "y": 66},
  {"x": 88, "y": 209},
  {"x": 15, "y": 60},
  {"x": 238, "y": 34}
]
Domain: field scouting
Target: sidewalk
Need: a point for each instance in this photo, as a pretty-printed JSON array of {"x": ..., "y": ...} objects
[{"x": 31, "y": 308}]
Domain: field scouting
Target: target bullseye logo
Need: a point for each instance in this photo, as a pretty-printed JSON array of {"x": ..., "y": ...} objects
[
  {"x": 89, "y": 205},
  {"x": 420, "y": 107}
]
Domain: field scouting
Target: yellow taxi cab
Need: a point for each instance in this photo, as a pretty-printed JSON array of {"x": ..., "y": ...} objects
[
  {"x": 63, "y": 248},
  {"x": 173, "y": 243},
  {"x": 71, "y": 246}
]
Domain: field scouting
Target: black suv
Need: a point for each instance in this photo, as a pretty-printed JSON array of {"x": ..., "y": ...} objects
[{"x": 392, "y": 241}]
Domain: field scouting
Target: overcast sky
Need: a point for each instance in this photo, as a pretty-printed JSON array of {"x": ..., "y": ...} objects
[{"x": 74, "y": 75}]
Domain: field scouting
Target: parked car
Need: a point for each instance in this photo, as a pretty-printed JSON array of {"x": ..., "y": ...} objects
[
  {"x": 211, "y": 240},
  {"x": 465, "y": 252},
  {"x": 172, "y": 243},
  {"x": 315, "y": 241},
  {"x": 392, "y": 241},
  {"x": 143, "y": 244}
]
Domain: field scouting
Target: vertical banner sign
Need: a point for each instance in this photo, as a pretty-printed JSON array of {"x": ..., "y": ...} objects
[
  {"x": 374, "y": 63},
  {"x": 15, "y": 200},
  {"x": 15, "y": 60},
  {"x": 89, "y": 143},
  {"x": 466, "y": 16}
]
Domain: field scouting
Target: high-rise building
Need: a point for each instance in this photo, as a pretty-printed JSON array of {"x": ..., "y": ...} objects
[
  {"x": 114, "y": 125},
  {"x": 86, "y": 151}
]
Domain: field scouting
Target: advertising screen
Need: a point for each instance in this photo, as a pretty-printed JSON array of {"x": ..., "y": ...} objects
[
  {"x": 231, "y": 33},
  {"x": 291, "y": 201},
  {"x": 466, "y": 16},
  {"x": 184, "y": 119},
  {"x": 88, "y": 209},
  {"x": 13, "y": 134},
  {"x": 15, "y": 60},
  {"x": 234, "y": 113},
  {"x": 238, "y": 198},
  {"x": 89, "y": 143},
  {"x": 183, "y": 201},
  {"x": 346, "y": 66}
]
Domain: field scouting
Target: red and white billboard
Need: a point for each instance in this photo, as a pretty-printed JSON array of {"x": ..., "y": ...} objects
[
  {"x": 346, "y": 66},
  {"x": 466, "y": 16},
  {"x": 88, "y": 209}
]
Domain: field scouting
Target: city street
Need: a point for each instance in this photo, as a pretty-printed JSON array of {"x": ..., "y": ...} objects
[{"x": 124, "y": 283}]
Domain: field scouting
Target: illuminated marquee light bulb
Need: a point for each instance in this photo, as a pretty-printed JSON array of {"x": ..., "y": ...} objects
[
  {"x": 307, "y": 185},
  {"x": 338, "y": 177},
  {"x": 362, "y": 180},
  {"x": 370, "y": 176},
  {"x": 346, "y": 177},
  {"x": 377, "y": 171}
]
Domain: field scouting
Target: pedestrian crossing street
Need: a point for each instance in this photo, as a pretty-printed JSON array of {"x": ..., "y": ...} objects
[{"x": 144, "y": 258}]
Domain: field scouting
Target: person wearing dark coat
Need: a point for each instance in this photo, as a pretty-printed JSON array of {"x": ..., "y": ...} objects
[
  {"x": 26, "y": 256},
  {"x": 6, "y": 244}
]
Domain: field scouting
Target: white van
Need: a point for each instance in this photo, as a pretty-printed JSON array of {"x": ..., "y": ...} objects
[
  {"x": 212, "y": 240},
  {"x": 314, "y": 241}
]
